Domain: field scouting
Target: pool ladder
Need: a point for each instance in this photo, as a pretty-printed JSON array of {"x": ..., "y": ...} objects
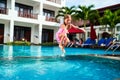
[{"x": 114, "y": 44}]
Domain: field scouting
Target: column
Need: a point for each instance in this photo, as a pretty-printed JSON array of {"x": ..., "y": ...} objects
[
  {"x": 106, "y": 29},
  {"x": 115, "y": 31},
  {"x": 11, "y": 30},
  {"x": 40, "y": 33},
  {"x": 40, "y": 24},
  {"x": 41, "y": 8},
  {"x": 12, "y": 5},
  {"x": 12, "y": 20}
]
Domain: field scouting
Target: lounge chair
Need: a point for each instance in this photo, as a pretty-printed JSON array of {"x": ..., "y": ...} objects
[
  {"x": 75, "y": 43},
  {"x": 105, "y": 42},
  {"x": 102, "y": 42},
  {"x": 109, "y": 40},
  {"x": 89, "y": 42}
]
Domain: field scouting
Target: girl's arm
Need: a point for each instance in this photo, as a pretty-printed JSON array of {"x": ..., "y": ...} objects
[
  {"x": 74, "y": 26},
  {"x": 62, "y": 26}
]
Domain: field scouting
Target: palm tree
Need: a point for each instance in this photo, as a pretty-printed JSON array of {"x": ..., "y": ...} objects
[
  {"x": 66, "y": 10},
  {"x": 111, "y": 18},
  {"x": 93, "y": 17},
  {"x": 85, "y": 13}
]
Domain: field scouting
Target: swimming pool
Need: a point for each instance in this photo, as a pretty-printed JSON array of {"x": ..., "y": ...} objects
[
  {"x": 27, "y": 64},
  {"x": 68, "y": 68},
  {"x": 14, "y": 51}
]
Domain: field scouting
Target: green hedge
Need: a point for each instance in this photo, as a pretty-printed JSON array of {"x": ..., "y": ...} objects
[
  {"x": 18, "y": 43},
  {"x": 28, "y": 43},
  {"x": 48, "y": 44}
]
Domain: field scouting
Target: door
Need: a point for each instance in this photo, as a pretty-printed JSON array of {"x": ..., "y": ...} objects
[
  {"x": 47, "y": 35},
  {"x": 1, "y": 33},
  {"x": 21, "y": 32}
]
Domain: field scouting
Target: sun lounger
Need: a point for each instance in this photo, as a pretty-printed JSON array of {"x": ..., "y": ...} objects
[
  {"x": 102, "y": 42},
  {"x": 89, "y": 42},
  {"x": 105, "y": 42}
]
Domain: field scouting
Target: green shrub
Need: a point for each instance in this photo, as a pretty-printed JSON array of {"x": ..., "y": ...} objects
[
  {"x": 28, "y": 43},
  {"x": 48, "y": 44},
  {"x": 18, "y": 43}
]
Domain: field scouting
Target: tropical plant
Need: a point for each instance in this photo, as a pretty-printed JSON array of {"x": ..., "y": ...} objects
[
  {"x": 110, "y": 18},
  {"x": 93, "y": 17},
  {"x": 85, "y": 13},
  {"x": 66, "y": 10}
]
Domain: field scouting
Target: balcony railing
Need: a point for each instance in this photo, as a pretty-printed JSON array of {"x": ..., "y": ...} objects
[
  {"x": 3, "y": 10},
  {"x": 52, "y": 19},
  {"x": 55, "y": 1},
  {"x": 27, "y": 15}
]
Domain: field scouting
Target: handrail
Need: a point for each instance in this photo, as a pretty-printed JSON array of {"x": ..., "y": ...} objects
[
  {"x": 27, "y": 15},
  {"x": 117, "y": 46},
  {"x": 3, "y": 10},
  {"x": 114, "y": 44},
  {"x": 51, "y": 19}
]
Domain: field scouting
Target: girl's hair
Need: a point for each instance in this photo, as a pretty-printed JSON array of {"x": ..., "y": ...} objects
[{"x": 66, "y": 16}]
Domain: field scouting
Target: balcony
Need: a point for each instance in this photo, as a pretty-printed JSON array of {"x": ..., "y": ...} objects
[
  {"x": 27, "y": 15},
  {"x": 51, "y": 19},
  {"x": 55, "y": 1},
  {"x": 3, "y": 10}
]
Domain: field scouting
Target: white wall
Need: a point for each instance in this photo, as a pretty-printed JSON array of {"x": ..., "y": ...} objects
[{"x": 12, "y": 19}]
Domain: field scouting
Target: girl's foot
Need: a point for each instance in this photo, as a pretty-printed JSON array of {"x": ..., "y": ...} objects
[{"x": 63, "y": 53}]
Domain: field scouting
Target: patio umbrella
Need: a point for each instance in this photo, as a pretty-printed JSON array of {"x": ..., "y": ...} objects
[
  {"x": 73, "y": 30},
  {"x": 93, "y": 33}
]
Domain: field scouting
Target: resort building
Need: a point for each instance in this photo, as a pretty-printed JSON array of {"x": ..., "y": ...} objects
[
  {"x": 31, "y": 20},
  {"x": 100, "y": 29},
  {"x": 34, "y": 21}
]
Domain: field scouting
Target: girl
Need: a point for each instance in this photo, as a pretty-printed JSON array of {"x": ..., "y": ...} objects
[{"x": 61, "y": 35}]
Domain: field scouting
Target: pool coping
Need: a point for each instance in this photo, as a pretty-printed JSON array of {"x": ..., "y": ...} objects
[
  {"x": 113, "y": 57},
  {"x": 108, "y": 56}
]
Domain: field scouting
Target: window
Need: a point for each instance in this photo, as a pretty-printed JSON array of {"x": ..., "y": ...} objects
[
  {"x": 48, "y": 13},
  {"x": 119, "y": 37},
  {"x": 118, "y": 28},
  {"x": 17, "y": 8},
  {"x": 24, "y": 8},
  {"x": 25, "y": 11},
  {"x": 109, "y": 29},
  {"x": 88, "y": 34},
  {"x": 3, "y": 3}
]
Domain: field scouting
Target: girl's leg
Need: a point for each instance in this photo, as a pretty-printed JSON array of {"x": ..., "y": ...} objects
[
  {"x": 66, "y": 41},
  {"x": 62, "y": 47},
  {"x": 61, "y": 44}
]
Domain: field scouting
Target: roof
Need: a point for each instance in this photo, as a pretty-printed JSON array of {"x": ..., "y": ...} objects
[{"x": 111, "y": 7}]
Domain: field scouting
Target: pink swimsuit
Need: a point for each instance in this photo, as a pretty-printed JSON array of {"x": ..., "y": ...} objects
[{"x": 61, "y": 30}]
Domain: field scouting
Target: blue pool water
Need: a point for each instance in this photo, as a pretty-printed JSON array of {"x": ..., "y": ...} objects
[
  {"x": 8, "y": 51},
  {"x": 68, "y": 68},
  {"x": 27, "y": 64}
]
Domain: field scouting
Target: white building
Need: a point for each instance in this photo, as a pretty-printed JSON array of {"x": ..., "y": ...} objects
[{"x": 33, "y": 20}]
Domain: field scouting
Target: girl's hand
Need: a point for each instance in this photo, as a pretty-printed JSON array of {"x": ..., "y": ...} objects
[{"x": 74, "y": 26}]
